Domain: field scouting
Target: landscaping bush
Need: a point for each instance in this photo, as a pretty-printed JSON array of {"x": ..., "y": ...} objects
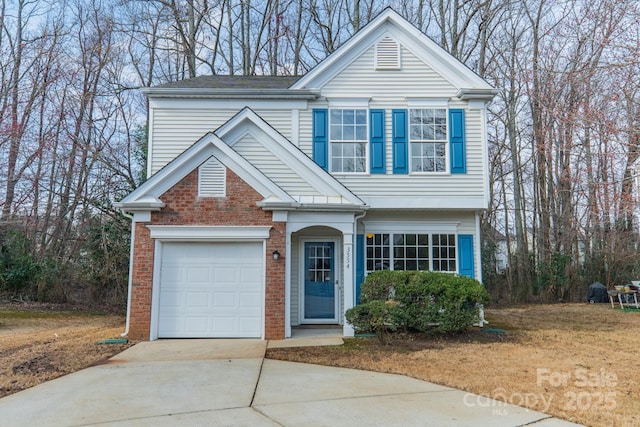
[
  {"x": 417, "y": 300},
  {"x": 376, "y": 317}
]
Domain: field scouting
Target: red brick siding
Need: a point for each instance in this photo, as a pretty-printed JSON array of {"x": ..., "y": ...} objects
[
  {"x": 184, "y": 207},
  {"x": 140, "y": 314}
]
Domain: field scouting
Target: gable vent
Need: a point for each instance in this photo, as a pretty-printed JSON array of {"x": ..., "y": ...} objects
[
  {"x": 212, "y": 179},
  {"x": 387, "y": 54}
]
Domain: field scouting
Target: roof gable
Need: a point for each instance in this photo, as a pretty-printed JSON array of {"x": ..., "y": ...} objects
[
  {"x": 390, "y": 24},
  {"x": 147, "y": 196},
  {"x": 247, "y": 122},
  {"x": 220, "y": 145}
]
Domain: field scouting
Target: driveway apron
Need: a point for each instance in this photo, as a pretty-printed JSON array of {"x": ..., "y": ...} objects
[{"x": 228, "y": 383}]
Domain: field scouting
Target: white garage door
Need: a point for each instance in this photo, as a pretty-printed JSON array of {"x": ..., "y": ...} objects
[{"x": 211, "y": 290}]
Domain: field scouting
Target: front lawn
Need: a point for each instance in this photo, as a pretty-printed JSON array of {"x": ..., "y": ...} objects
[{"x": 578, "y": 362}]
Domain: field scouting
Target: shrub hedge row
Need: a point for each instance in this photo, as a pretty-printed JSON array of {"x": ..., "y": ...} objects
[{"x": 423, "y": 301}]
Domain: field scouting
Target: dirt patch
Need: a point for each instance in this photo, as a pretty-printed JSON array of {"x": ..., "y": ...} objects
[
  {"x": 573, "y": 361},
  {"x": 41, "y": 342}
]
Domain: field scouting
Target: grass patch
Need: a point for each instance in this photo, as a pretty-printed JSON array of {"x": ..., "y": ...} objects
[
  {"x": 584, "y": 343},
  {"x": 42, "y": 342}
]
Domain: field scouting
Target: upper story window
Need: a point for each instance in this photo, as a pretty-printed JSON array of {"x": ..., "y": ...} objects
[
  {"x": 348, "y": 140},
  {"x": 428, "y": 139}
]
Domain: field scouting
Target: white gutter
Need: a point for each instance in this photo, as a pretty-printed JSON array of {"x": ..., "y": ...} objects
[
  {"x": 230, "y": 93},
  {"x": 130, "y": 284}
]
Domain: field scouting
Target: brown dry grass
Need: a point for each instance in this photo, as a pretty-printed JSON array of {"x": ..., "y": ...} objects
[
  {"x": 40, "y": 343},
  {"x": 574, "y": 361}
]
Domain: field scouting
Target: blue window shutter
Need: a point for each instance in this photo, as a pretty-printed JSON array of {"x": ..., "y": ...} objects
[
  {"x": 376, "y": 140},
  {"x": 359, "y": 264},
  {"x": 400, "y": 142},
  {"x": 457, "y": 142},
  {"x": 465, "y": 255},
  {"x": 320, "y": 138}
]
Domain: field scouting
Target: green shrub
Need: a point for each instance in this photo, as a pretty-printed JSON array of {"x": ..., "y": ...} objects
[
  {"x": 376, "y": 317},
  {"x": 418, "y": 300}
]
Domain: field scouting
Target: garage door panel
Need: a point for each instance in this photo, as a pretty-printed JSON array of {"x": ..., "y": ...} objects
[
  {"x": 211, "y": 290},
  {"x": 199, "y": 274},
  {"x": 248, "y": 324},
  {"x": 171, "y": 300},
  {"x": 172, "y": 273},
  {"x": 251, "y": 274},
  {"x": 226, "y": 275},
  {"x": 196, "y": 324},
  {"x": 171, "y": 325},
  {"x": 224, "y": 300},
  {"x": 198, "y": 300},
  {"x": 250, "y": 300}
]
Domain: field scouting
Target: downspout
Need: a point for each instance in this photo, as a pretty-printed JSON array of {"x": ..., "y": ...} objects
[
  {"x": 130, "y": 284},
  {"x": 355, "y": 236}
]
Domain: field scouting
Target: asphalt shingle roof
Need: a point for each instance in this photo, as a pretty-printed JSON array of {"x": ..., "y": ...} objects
[{"x": 232, "y": 82}]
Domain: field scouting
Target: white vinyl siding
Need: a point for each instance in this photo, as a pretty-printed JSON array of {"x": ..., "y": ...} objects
[
  {"x": 273, "y": 168},
  {"x": 361, "y": 79},
  {"x": 443, "y": 186},
  {"x": 176, "y": 129}
]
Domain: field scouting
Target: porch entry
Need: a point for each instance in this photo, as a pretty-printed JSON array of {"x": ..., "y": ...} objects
[{"x": 320, "y": 283}]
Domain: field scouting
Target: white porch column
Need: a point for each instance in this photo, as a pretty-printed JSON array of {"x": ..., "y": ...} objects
[
  {"x": 348, "y": 290},
  {"x": 287, "y": 286}
]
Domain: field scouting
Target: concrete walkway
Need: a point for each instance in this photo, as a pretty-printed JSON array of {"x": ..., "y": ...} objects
[{"x": 229, "y": 383}]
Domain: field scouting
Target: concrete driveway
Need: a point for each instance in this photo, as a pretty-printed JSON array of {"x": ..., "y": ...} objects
[{"x": 229, "y": 383}]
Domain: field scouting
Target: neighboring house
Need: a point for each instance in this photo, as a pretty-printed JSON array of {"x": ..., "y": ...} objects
[{"x": 270, "y": 198}]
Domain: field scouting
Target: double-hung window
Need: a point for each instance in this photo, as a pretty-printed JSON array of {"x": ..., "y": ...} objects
[
  {"x": 428, "y": 139},
  {"x": 411, "y": 251},
  {"x": 348, "y": 140}
]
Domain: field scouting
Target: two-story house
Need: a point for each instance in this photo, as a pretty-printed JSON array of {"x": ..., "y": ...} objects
[{"x": 270, "y": 198}]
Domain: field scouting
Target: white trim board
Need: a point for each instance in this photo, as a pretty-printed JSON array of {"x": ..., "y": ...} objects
[
  {"x": 411, "y": 226},
  {"x": 208, "y": 233}
]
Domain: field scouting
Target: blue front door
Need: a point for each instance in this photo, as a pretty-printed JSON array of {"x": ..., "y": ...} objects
[{"x": 319, "y": 282}]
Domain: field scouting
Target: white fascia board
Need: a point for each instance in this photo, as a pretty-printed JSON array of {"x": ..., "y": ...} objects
[
  {"x": 173, "y": 172},
  {"x": 231, "y": 104},
  {"x": 150, "y": 121},
  {"x": 339, "y": 60},
  {"x": 249, "y": 173},
  {"x": 345, "y": 54},
  {"x": 292, "y": 156},
  {"x": 208, "y": 232},
  {"x": 272, "y": 205},
  {"x": 224, "y": 93},
  {"x": 209, "y": 145},
  {"x": 443, "y": 63},
  {"x": 390, "y": 22},
  {"x": 439, "y": 203}
]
